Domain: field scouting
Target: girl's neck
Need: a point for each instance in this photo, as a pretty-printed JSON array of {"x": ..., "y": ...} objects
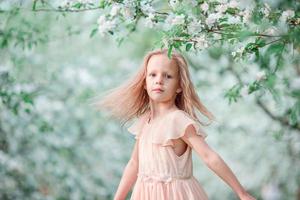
[{"x": 153, "y": 115}]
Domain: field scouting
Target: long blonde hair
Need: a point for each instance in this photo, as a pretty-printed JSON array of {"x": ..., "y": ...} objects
[{"x": 131, "y": 100}]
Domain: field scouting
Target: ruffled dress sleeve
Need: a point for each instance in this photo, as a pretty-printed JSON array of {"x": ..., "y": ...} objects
[
  {"x": 137, "y": 126},
  {"x": 173, "y": 127}
]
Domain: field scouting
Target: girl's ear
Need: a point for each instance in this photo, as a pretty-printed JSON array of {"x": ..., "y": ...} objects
[{"x": 178, "y": 90}]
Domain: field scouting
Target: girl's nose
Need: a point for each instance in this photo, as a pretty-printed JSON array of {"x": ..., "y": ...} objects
[{"x": 159, "y": 79}]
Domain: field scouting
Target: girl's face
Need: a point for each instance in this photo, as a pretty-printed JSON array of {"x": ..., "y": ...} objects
[{"x": 162, "y": 78}]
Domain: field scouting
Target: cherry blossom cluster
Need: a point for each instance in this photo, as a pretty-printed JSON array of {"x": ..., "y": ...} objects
[{"x": 200, "y": 24}]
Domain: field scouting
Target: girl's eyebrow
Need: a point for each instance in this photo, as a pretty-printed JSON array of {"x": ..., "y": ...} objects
[{"x": 163, "y": 71}]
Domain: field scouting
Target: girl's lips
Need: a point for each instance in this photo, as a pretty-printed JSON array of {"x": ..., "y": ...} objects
[{"x": 158, "y": 90}]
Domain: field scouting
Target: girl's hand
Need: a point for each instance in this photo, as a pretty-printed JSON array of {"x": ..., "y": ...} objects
[{"x": 247, "y": 197}]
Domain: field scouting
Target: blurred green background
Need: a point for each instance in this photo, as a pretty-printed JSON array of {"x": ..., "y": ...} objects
[{"x": 55, "y": 145}]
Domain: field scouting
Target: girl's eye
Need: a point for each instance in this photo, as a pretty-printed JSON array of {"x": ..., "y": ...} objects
[{"x": 166, "y": 75}]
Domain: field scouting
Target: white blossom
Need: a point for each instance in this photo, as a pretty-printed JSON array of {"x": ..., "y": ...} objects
[
  {"x": 222, "y": 1},
  {"x": 149, "y": 20},
  {"x": 295, "y": 84},
  {"x": 193, "y": 2},
  {"x": 105, "y": 25},
  {"x": 194, "y": 27},
  {"x": 85, "y": 1},
  {"x": 271, "y": 191},
  {"x": 260, "y": 75},
  {"x": 67, "y": 3},
  {"x": 3, "y": 158},
  {"x": 234, "y": 19},
  {"x": 129, "y": 12},
  {"x": 238, "y": 53},
  {"x": 115, "y": 10},
  {"x": 233, "y": 4},
  {"x": 246, "y": 15},
  {"x": 234, "y": 53},
  {"x": 85, "y": 77},
  {"x": 129, "y": 3},
  {"x": 287, "y": 14},
  {"x": 221, "y": 8},
  {"x": 244, "y": 91},
  {"x": 13, "y": 164},
  {"x": 201, "y": 42},
  {"x": 23, "y": 87},
  {"x": 271, "y": 31},
  {"x": 173, "y": 19},
  {"x": 146, "y": 7},
  {"x": 204, "y": 7},
  {"x": 174, "y": 4},
  {"x": 217, "y": 36},
  {"x": 266, "y": 10},
  {"x": 179, "y": 19},
  {"x": 212, "y": 18},
  {"x": 167, "y": 25},
  {"x": 101, "y": 19}
]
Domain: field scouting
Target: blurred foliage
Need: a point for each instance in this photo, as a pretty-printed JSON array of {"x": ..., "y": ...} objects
[{"x": 54, "y": 145}]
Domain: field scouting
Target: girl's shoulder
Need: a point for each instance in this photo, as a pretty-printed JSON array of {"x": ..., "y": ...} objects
[
  {"x": 174, "y": 126},
  {"x": 176, "y": 114},
  {"x": 136, "y": 127}
]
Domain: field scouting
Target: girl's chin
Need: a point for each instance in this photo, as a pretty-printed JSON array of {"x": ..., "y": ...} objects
[{"x": 159, "y": 98}]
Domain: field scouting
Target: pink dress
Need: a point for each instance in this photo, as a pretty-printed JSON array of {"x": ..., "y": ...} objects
[{"x": 163, "y": 175}]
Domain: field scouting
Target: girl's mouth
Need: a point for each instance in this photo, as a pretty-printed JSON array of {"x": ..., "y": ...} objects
[{"x": 158, "y": 90}]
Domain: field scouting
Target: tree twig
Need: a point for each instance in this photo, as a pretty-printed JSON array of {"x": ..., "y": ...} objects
[
  {"x": 282, "y": 120},
  {"x": 64, "y": 10}
]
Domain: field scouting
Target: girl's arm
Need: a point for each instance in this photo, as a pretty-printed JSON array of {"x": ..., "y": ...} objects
[
  {"x": 129, "y": 175},
  {"x": 215, "y": 162}
]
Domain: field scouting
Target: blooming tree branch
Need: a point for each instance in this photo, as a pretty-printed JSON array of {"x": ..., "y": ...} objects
[{"x": 254, "y": 33}]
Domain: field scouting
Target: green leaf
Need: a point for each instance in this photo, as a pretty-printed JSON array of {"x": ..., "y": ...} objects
[
  {"x": 260, "y": 42},
  {"x": 4, "y": 42},
  {"x": 170, "y": 51},
  {"x": 295, "y": 113},
  {"x": 278, "y": 135},
  {"x": 45, "y": 126},
  {"x": 256, "y": 55},
  {"x": 34, "y": 5},
  {"x": 295, "y": 94},
  {"x": 77, "y": 5},
  {"x": 244, "y": 34},
  {"x": 232, "y": 11},
  {"x": 271, "y": 80},
  {"x": 254, "y": 87},
  {"x": 188, "y": 46},
  {"x": 27, "y": 110},
  {"x": 257, "y": 16},
  {"x": 177, "y": 44},
  {"x": 93, "y": 32},
  {"x": 15, "y": 109},
  {"x": 251, "y": 47},
  {"x": 276, "y": 49},
  {"x": 120, "y": 41},
  {"x": 215, "y": 52},
  {"x": 27, "y": 98},
  {"x": 102, "y": 4},
  {"x": 274, "y": 17},
  {"x": 184, "y": 35},
  {"x": 233, "y": 94}
]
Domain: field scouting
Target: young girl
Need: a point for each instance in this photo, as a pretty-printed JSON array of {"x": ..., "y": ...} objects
[{"x": 163, "y": 99}]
